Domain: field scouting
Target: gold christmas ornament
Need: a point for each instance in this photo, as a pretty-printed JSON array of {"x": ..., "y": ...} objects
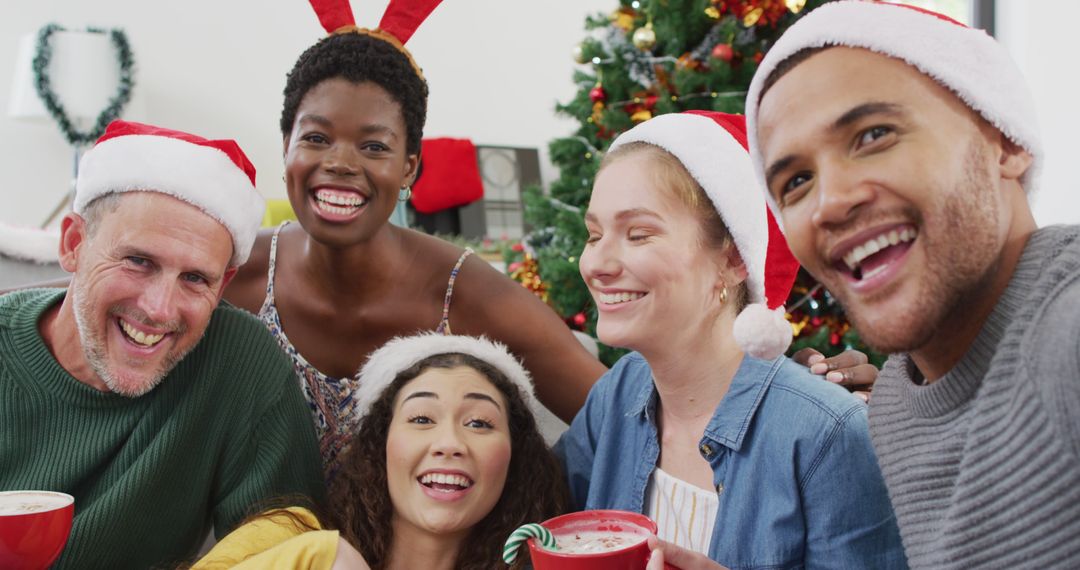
[
  {"x": 797, "y": 327},
  {"x": 597, "y": 112},
  {"x": 641, "y": 116},
  {"x": 579, "y": 54},
  {"x": 645, "y": 38},
  {"x": 527, "y": 273},
  {"x": 753, "y": 16},
  {"x": 795, "y": 6},
  {"x": 712, "y": 12},
  {"x": 623, "y": 18}
]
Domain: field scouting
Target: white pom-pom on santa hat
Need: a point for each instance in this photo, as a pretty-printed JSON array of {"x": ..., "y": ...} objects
[
  {"x": 762, "y": 329},
  {"x": 762, "y": 332},
  {"x": 967, "y": 61},
  {"x": 401, "y": 353},
  {"x": 712, "y": 147},
  {"x": 212, "y": 175}
]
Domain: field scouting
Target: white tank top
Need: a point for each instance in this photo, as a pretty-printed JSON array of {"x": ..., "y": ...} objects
[{"x": 684, "y": 514}]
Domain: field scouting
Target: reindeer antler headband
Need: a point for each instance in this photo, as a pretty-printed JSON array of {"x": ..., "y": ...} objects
[{"x": 399, "y": 22}]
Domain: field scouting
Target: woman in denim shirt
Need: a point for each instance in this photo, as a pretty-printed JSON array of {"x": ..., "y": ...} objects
[{"x": 737, "y": 452}]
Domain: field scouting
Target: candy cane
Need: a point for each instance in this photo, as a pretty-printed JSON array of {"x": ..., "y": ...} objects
[{"x": 524, "y": 533}]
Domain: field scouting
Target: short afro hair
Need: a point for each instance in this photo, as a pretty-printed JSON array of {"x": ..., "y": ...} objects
[{"x": 359, "y": 58}]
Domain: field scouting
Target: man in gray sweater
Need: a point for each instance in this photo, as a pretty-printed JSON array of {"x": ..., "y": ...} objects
[{"x": 899, "y": 148}]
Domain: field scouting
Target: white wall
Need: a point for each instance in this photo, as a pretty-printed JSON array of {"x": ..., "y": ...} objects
[
  {"x": 217, "y": 68},
  {"x": 1038, "y": 34},
  {"x": 496, "y": 68}
]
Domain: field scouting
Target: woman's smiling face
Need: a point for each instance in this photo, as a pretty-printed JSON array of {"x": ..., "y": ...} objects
[
  {"x": 345, "y": 160},
  {"x": 447, "y": 451},
  {"x": 645, "y": 262}
]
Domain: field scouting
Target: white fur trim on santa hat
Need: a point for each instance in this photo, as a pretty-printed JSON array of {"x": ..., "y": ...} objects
[
  {"x": 403, "y": 352},
  {"x": 720, "y": 165},
  {"x": 965, "y": 60},
  {"x": 29, "y": 244},
  {"x": 200, "y": 175},
  {"x": 762, "y": 332}
]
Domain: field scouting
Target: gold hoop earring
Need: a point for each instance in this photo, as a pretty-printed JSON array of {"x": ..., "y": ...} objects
[
  {"x": 723, "y": 295},
  {"x": 405, "y": 193}
]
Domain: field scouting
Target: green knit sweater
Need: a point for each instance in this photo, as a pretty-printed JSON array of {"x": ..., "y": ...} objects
[{"x": 226, "y": 430}]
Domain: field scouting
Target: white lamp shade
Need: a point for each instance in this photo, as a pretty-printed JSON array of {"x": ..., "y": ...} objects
[{"x": 84, "y": 72}]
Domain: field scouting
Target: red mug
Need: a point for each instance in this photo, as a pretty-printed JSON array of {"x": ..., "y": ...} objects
[
  {"x": 34, "y": 527},
  {"x": 634, "y": 556}
]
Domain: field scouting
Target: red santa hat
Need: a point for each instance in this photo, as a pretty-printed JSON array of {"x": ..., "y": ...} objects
[
  {"x": 712, "y": 148},
  {"x": 967, "y": 61},
  {"x": 213, "y": 175},
  {"x": 402, "y": 353}
]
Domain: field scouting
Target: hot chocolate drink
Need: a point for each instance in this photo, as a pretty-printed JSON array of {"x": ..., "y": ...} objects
[
  {"x": 34, "y": 526},
  {"x": 26, "y": 502},
  {"x": 593, "y": 541}
]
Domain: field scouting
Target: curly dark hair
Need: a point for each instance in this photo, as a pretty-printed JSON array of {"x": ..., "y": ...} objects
[
  {"x": 359, "y": 496},
  {"x": 359, "y": 58}
]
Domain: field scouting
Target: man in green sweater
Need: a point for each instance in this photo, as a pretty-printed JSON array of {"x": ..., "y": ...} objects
[
  {"x": 162, "y": 411},
  {"x": 899, "y": 148}
]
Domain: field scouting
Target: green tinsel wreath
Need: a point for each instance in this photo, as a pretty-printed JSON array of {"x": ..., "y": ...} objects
[{"x": 43, "y": 55}]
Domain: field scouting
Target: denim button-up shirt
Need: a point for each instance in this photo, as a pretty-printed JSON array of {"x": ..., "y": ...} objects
[{"x": 798, "y": 482}]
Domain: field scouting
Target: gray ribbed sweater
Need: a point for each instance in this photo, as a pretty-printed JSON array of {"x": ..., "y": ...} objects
[{"x": 983, "y": 466}]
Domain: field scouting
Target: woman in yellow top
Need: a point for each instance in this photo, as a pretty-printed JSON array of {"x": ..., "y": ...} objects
[{"x": 447, "y": 462}]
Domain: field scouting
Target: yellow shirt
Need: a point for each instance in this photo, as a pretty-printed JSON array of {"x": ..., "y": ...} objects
[{"x": 275, "y": 541}]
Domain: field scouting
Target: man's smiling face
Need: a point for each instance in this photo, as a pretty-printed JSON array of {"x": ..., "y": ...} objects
[
  {"x": 888, "y": 190},
  {"x": 147, "y": 279}
]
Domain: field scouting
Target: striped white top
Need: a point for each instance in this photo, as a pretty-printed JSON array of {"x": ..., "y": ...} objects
[{"x": 684, "y": 514}]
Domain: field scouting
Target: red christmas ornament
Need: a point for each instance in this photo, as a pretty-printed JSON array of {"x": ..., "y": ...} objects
[
  {"x": 515, "y": 266},
  {"x": 641, "y": 102},
  {"x": 728, "y": 6},
  {"x": 597, "y": 94},
  {"x": 834, "y": 339},
  {"x": 579, "y": 319},
  {"x": 517, "y": 247},
  {"x": 723, "y": 52},
  {"x": 758, "y": 57}
]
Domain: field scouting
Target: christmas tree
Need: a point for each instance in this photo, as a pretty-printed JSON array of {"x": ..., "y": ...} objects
[{"x": 647, "y": 58}]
